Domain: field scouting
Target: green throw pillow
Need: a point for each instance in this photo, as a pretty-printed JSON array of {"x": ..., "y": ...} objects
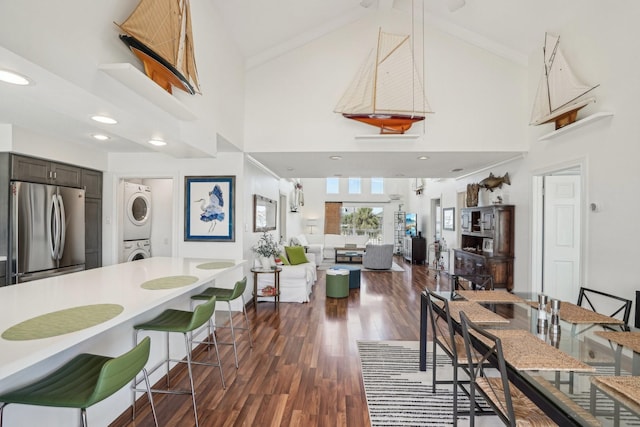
[
  {"x": 284, "y": 259},
  {"x": 296, "y": 255}
]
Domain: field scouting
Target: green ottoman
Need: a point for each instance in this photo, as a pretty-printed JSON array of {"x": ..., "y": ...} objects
[
  {"x": 354, "y": 274},
  {"x": 337, "y": 283}
]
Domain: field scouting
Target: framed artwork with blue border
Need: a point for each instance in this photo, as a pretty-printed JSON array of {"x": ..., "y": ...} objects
[{"x": 209, "y": 208}]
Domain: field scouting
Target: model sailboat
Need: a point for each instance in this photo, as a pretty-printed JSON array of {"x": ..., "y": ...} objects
[
  {"x": 158, "y": 32},
  {"x": 387, "y": 92},
  {"x": 560, "y": 93}
]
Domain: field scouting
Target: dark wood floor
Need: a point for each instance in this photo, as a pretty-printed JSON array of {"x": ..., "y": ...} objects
[{"x": 303, "y": 369}]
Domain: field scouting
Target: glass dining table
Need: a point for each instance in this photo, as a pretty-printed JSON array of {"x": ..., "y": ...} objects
[{"x": 567, "y": 396}]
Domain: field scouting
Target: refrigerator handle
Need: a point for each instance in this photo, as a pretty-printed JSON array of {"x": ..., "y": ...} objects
[
  {"x": 63, "y": 227},
  {"x": 55, "y": 228}
]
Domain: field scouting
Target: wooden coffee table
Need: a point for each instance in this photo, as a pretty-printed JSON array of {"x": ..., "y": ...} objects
[{"x": 349, "y": 255}]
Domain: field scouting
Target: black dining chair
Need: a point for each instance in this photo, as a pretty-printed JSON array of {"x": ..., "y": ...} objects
[
  {"x": 604, "y": 303},
  {"x": 452, "y": 344},
  {"x": 508, "y": 402},
  {"x": 477, "y": 282}
]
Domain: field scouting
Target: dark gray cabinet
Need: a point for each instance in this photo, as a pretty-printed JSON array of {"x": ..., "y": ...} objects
[
  {"x": 5, "y": 161},
  {"x": 3, "y": 272},
  {"x": 93, "y": 233},
  {"x": 92, "y": 184},
  {"x": 45, "y": 172}
]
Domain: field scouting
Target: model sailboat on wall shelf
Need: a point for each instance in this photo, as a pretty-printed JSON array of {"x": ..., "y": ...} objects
[
  {"x": 387, "y": 92},
  {"x": 158, "y": 32},
  {"x": 560, "y": 93}
]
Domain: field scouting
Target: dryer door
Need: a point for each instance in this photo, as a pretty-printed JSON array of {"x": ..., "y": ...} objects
[
  {"x": 138, "y": 254},
  {"x": 139, "y": 208}
]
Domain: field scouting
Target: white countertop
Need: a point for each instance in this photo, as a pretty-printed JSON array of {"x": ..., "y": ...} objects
[
  {"x": 115, "y": 284},
  {"x": 3, "y": 258}
]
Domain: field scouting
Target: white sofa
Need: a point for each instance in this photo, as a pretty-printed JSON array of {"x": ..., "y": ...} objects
[
  {"x": 313, "y": 242},
  {"x": 323, "y": 245},
  {"x": 296, "y": 281}
]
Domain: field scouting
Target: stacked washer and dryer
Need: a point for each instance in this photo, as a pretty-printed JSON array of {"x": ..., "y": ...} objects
[{"x": 137, "y": 222}]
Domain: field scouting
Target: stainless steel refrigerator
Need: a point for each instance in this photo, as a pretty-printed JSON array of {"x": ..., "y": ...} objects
[{"x": 47, "y": 231}]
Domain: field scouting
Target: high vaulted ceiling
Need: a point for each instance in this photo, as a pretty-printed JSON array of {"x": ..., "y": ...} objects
[
  {"x": 512, "y": 28},
  {"x": 265, "y": 29}
]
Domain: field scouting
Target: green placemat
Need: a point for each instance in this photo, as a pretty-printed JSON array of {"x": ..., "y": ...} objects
[
  {"x": 62, "y": 322},
  {"x": 214, "y": 265},
  {"x": 169, "y": 282}
]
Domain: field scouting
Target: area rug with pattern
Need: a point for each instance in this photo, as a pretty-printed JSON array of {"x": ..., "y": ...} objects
[{"x": 399, "y": 394}]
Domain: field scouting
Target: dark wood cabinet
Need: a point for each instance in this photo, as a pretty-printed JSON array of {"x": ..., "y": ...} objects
[
  {"x": 92, "y": 184},
  {"x": 31, "y": 169},
  {"x": 3, "y": 272},
  {"x": 415, "y": 250},
  {"x": 92, "y": 233},
  {"x": 487, "y": 244}
]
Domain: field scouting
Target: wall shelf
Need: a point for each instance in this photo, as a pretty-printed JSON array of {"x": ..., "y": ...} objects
[
  {"x": 137, "y": 81},
  {"x": 576, "y": 125},
  {"x": 388, "y": 137}
]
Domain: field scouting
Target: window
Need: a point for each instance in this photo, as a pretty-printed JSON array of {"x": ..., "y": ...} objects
[
  {"x": 377, "y": 185},
  {"x": 354, "y": 186},
  {"x": 333, "y": 185},
  {"x": 362, "y": 221}
]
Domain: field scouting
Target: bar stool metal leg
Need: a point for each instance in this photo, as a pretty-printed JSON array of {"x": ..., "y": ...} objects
[
  {"x": 184, "y": 322},
  {"x": 228, "y": 295}
]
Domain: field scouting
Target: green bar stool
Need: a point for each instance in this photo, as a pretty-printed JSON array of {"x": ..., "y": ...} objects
[
  {"x": 228, "y": 295},
  {"x": 183, "y": 322},
  {"x": 83, "y": 381}
]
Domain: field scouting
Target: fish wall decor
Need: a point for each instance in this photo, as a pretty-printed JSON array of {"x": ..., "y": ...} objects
[{"x": 491, "y": 182}]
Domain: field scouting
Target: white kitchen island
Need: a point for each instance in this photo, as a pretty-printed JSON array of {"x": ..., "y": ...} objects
[{"x": 120, "y": 284}]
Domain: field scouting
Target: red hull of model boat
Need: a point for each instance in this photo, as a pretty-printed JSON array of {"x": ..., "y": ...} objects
[{"x": 391, "y": 124}]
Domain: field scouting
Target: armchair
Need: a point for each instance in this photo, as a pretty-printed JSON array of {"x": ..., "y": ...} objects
[{"x": 378, "y": 257}]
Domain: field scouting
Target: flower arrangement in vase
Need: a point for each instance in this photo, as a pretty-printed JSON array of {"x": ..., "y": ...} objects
[{"x": 266, "y": 247}]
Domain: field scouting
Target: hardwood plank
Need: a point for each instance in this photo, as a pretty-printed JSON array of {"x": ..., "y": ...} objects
[{"x": 304, "y": 368}]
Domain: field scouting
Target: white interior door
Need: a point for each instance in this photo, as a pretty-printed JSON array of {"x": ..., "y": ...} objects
[{"x": 561, "y": 259}]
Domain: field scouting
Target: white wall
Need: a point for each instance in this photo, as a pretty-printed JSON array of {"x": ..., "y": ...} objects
[
  {"x": 595, "y": 44},
  {"x": 34, "y": 144},
  {"x": 518, "y": 194},
  {"x": 162, "y": 215},
  {"x": 480, "y": 99},
  {"x": 72, "y": 38}
]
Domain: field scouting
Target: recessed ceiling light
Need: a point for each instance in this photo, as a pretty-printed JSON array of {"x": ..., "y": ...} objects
[
  {"x": 104, "y": 119},
  {"x": 14, "y": 78},
  {"x": 423, "y": 158},
  {"x": 100, "y": 137},
  {"x": 457, "y": 170},
  {"x": 399, "y": 174},
  {"x": 335, "y": 157},
  {"x": 337, "y": 174},
  {"x": 290, "y": 169},
  {"x": 157, "y": 142}
]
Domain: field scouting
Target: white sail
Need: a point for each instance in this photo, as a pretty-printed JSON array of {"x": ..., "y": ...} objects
[
  {"x": 387, "y": 82},
  {"x": 164, "y": 26},
  {"x": 559, "y": 90}
]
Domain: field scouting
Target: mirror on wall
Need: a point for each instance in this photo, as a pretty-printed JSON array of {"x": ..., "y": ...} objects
[{"x": 264, "y": 213}]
